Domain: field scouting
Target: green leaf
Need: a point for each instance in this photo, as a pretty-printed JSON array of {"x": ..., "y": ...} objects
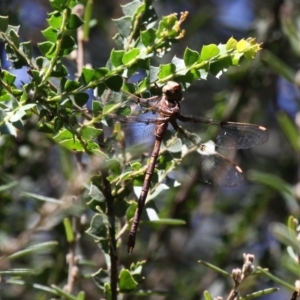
[
  {"x": 190, "y": 57},
  {"x": 242, "y": 45},
  {"x": 219, "y": 66},
  {"x": 130, "y": 56},
  {"x": 207, "y": 295},
  {"x": 289, "y": 129},
  {"x": 74, "y": 22},
  {"x": 71, "y": 85},
  {"x": 46, "y": 128},
  {"x": 143, "y": 64},
  {"x": 168, "y": 221},
  {"x": 80, "y": 295},
  {"x": 119, "y": 40},
  {"x": 250, "y": 54},
  {"x": 282, "y": 233},
  {"x": 97, "y": 108},
  {"x": 72, "y": 144},
  {"x": 69, "y": 230},
  {"x": 100, "y": 72},
  {"x": 136, "y": 166},
  {"x": 18, "y": 61},
  {"x": 101, "y": 277},
  {"x": 166, "y": 71},
  {"x": 107, "y": 291},
  {"x": 114, "y": 83},
  {"x": 14, "y": 37},
  {"x": 8, "y": 186},
  {"x": 148, "y": 37},
  {"x": 217, "y": 269},
  {"x": 276, "y": 279},
  {"x": 62, "y": 293},
  {"x": 126, "y": 281},
  {"x": 99, "y": 226},
  {"x": 34, "y": 249},
  {"x": 59, "y": 4},
  {"x": 90, "y": 133},
  {"x": 26, "y": 48},
  {"x": 18, "y": 272},
  {"x": 55, "y": 20},
  {"x": 46, "y": 47},
  {"x": 209, "y": 52},
  {"x": 116, "y": 57},
  {"x": 67, "y": 139},
  {"x": 5, "y": 96},
  {"x": 96, "y": 194},
  {"x": 130, "y": 8},
  {"x": 81, "y": 99},
  {"x": 260, "y": 293},
  {"x": 153, "y": 73},
  {"x": 3, "y": 24},
  {"x": 120, "y": 208},
  {"x": 50, "y": 34},
  {"x": 131, "y": 210},
  {"x": 87, "y": 75},
  {"x": 114, "y": 166},
  {"x": 67, "y": 42},
  {"x": 59, "y": 70},
  {"x": 179, "y": 63},
  {"x": 21, "y": 112},
  {"x": 41, "y": 198},
  {"x": 236, "y": 58},
  {"x": 44, "y": 289},
  {"x": 42, "y": 62},
  {"x": 231, "y": 44},
  {"x": 7, "y": 77},
  {"x": 123, "y": 26}
]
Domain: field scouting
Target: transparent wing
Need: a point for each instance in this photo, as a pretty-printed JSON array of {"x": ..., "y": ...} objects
[
  {"x": 212, "y": 167},
  {"x": 228, "y": 135}
]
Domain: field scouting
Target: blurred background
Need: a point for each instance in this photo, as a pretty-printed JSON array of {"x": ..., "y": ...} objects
[{"x": 222, "y": 223}]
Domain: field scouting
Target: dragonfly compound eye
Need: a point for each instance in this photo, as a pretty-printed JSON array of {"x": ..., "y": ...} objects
[{"x": 173, "y": 91}]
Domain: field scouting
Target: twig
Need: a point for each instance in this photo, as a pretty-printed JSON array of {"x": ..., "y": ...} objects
[{"x": 113, "y": 244}]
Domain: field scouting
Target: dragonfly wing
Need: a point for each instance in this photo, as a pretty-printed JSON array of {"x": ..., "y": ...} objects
[
  {"x": 212, "y": 167},
  {"x": 240, "y": 135},
  {"x": 137, "y": 129},
  {"x": 228, "y": 135}
]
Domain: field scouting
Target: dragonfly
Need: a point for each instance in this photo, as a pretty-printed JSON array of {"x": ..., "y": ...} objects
[{"x": 214, "y": 168}]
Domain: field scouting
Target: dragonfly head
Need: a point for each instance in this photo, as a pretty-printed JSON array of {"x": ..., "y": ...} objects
[{"x": 172, "y": 90}]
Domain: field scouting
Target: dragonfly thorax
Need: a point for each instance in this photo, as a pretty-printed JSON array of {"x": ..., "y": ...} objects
[{"x": 168, "y": 108}]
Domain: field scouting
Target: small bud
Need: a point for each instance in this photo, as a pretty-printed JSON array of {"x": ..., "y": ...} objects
[
  {"x": 77, "y": 258},
  {"x": 248, "y": 258},
  {"x": 75, "y": 271},
  {"x": 68, "y": 256},
  {"x": 248, "y": 266},
  {"x": 297, "y": 286},
  {"x": 83, "y": 219},
  {"x": 236, "y": 274}
]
